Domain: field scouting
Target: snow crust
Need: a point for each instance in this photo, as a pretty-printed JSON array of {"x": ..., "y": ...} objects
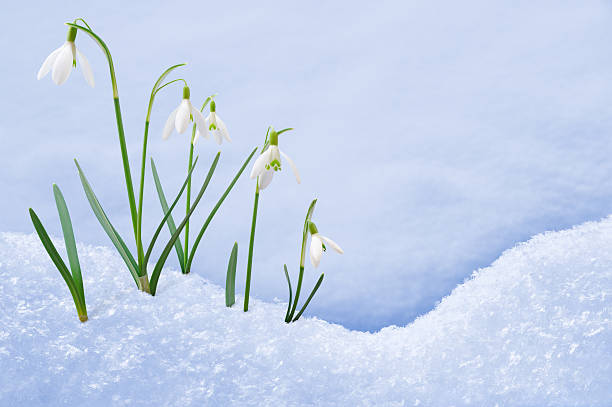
[{"x": 533, "y": 329}]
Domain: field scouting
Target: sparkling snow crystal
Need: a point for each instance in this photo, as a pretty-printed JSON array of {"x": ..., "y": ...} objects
[{"x": 534, "y": 329}]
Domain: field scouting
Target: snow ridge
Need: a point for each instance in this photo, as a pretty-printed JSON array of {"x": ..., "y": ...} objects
[{"x": 534, "y": 328}]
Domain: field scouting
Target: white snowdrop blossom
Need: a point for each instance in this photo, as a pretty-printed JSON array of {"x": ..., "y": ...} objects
[
  {"x": 182, "y": 115},
  {"x": 215, "y": 125},
  {"x": 62, "y": 60},
  {"x": 270, "y": 161},
  {"x": 317, "y": 247}
]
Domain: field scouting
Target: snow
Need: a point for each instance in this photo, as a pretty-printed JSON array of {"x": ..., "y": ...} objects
[{"x": 534, "y": 328}]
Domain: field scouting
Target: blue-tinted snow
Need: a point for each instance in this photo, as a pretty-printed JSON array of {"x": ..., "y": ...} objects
[{"x": 533, "y": 329}]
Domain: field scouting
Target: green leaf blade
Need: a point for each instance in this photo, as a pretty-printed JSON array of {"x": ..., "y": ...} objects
[
  {"x": 164, "y": 255},
  {"x": 57, "y": 260},
  {"x": 169, "y": 220},
  {"x": 312, "y": 293},
  {"x": 287, "y": 318},
  {"x": 168, "y": 214},
  {"x": 215, "y": 209},
  {"x": 230, "y": 280},
  {"x": 115, "y": 238},
  {"x": 73, "y": 257}
]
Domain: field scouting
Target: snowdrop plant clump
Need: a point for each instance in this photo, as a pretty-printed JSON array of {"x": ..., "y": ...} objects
[
  {"x": 61, "y": 62},
  {"x": 317, "y": 247},
  {"x": 263, "y": 170}
]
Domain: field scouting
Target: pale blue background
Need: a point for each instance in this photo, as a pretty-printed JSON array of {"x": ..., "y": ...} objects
[{"x": 435, "y": 134}]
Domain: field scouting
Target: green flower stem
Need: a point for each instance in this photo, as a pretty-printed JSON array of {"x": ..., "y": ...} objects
[
  {"x": 247, "y": 287},
  {"x": 127, "y": 172},
  {"x": 188, "y": 199},
  {"x": 122, "y": 145},
  {"x": 302, "y": 258},
  {"x": 139, "y": 248},
  {"x": 142, "y": 263}
]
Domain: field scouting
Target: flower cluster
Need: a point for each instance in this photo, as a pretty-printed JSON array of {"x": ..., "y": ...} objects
[{"x": 60, "y": 63}]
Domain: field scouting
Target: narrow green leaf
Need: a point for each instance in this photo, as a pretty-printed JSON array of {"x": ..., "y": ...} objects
[
  {"x": 312, "y": 293},
  {"x": 57, "y": 260},
  {"x": 215, "y": 209},
  {"x": 230, "y": 280},
  {"x": 287, "y": 319},
  {"x": 118, "y": 242},
  {"x": 162, "y": 258},
  {"x": 73, "y": 257},
  {"x": 168, "y": 211},
  {"x": 170, "y": 220}
]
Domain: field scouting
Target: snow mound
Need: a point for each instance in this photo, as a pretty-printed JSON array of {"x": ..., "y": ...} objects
[{"x": 532, "y": 329}]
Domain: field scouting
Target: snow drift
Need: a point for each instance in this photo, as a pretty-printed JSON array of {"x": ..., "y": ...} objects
[{"x": 534, "y": 328}]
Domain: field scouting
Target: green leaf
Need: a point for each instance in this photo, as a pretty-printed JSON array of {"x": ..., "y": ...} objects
[
  {"x": 284, "y": 130},
  {"x": 230, "y": 280},
  {"x": 215, "y": 209},
  {"x": 312, "y": 293},
  {"x": 168, "y": 211},
  {"x": 71, "y": 249},
  {"x": 162, "y": 258},
  {"x": 118, "y": 242},
  {"x": 170, "y": 220},
  {"x": 57, "y": 260},
  {"x": 287, "y": 319}
]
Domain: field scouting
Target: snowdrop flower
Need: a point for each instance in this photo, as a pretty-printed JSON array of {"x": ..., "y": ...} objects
[
  {"x": 270, "y": 161},
  {"x": 317, "y": 246},
  {"x": 63, "y": 59},
  {"x": 215, "y": 125},
  {"x": 180, "y": 117}
]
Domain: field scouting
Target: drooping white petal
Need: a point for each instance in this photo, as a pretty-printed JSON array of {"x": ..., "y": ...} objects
[
  {"x": 316, "y": 250},
  {"x": 182, "y": 116},
  {"x": 86, "y": 68},
  {"x": 260, "y": 164},
  {"x": 48, "y": 64},
  {"x": 333, "y": 244},
  {"x": 217, "y": 135},
  {"x": 223, "y": 129},
  {"x": 169, "y": 124},
  {"x": 198, "y": 117},
  {"x": 266, "y": 178},
  {"x": 199, "y": 134},
  {"x": 292, "y": 165},
  {"x": 63, "y": 64}
]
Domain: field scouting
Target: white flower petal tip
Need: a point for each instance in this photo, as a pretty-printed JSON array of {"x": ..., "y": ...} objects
[
  {"x": 293, "y": 167},
  {"x": 169, "y": 124},
  {"x": 265, "y": 179},
  {"x": 46, "y": 66},
  {"x": 332, "y": 244},
  {"x": 86, "y": 68},
  {"x": 260, "y": 164}
]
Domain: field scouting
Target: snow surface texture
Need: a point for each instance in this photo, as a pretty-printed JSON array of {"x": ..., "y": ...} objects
[{"x": 533, "y": 329}]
